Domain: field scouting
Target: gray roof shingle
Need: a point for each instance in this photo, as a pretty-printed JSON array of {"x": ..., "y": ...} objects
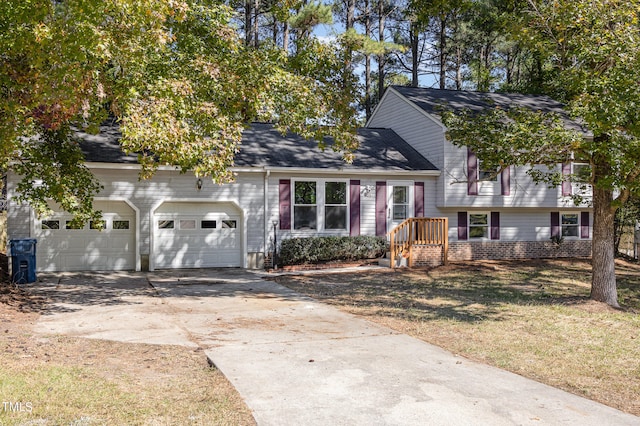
[
  {"x": 263, "y": 146},
  {"x": 432, "y": 101},
  {"x": 383, "y": 149}
]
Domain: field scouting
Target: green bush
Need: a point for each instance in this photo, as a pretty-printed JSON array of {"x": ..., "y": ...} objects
[{"x": 295, "y": 251}]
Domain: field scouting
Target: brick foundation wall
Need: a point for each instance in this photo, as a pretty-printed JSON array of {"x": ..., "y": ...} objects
[
  {"x": 519, "y": 250},
  {"x": 427, "y": 256}
]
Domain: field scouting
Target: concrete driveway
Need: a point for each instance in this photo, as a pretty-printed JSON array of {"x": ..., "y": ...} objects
[{"x": 296, "y": 361}]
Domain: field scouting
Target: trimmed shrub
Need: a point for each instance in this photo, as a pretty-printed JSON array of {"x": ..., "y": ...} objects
[{"x": 296, "y": 251}]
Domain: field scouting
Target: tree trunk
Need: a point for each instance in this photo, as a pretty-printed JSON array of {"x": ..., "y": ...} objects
[
  {"x": 367, "y": 61},
  {"x": 413, "y": 35},
  {"x": 603, "y": 280},
  {"x": 248, "y": 22},
  {"x": 285, "y": 37},
  {"x": 381, "y": 58},
  {"x": 442, "y": 45}
]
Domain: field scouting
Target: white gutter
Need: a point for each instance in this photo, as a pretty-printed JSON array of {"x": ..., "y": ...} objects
[
  {"x": 296, "y": 170},
  {"x": 301, "y": 170},
  {"x": 267, "y": 173}
]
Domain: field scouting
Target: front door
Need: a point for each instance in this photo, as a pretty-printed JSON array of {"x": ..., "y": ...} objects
[{"x": 399, "y": 203}]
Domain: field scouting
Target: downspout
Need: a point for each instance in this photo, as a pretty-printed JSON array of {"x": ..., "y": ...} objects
[{"x": 266, "y": 212}]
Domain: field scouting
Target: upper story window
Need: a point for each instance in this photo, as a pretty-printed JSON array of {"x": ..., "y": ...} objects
[
  {"x": 320, "y": 205},
  {"x": 485, "y": 174}
]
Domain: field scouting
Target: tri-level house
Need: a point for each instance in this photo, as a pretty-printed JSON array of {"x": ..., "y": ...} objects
[
  {"x": 490, "y": 217},
  {"x": 407, "y": 182}
]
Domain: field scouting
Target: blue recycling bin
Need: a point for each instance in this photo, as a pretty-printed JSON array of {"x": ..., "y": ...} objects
[{"x": 23, "y": 260}]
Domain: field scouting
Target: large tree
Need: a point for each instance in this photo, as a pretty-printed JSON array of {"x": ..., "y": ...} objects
[
  {"x": 174, "y": 73},
  {"x": 594, "y": 48}
]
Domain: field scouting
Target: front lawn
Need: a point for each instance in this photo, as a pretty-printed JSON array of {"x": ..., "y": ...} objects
[{"x": 530, "y": 317}]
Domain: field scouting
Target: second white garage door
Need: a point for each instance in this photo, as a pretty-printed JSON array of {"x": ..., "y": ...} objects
[
  {"x": 106, "y": 246},
  {"x": 196, "y": 235}
]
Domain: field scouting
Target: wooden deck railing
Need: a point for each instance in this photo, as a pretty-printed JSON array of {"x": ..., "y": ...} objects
[{"x": 418, "y": 231}]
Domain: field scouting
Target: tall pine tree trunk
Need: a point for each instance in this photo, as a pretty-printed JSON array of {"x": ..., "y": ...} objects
[
  {"x": 382, "y": 57},
  {"x": 367, "y": 61},
  {"x": 442, "y": 46},
  {"x": 413, "y": 36},
  {"x": 603, "y": 280}
]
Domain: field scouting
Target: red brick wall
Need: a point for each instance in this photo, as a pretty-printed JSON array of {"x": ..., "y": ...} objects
[
  {"x": 518, "y": 250},
  {"x": 428, "y": 255}
]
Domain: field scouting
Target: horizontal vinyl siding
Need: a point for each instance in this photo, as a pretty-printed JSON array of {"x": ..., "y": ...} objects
[
  {"x": 18, "y": 216},
  {"x": 412, "y": 125},
  {"x": 246, "y": 192},
  {"x": 515, "y": 224},
  {"x": 367, "y": 204},
  {"x": 524, "y": 193}
]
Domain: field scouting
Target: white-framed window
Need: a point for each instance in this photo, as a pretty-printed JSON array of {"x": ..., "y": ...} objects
[
  {"x": 305, "y": 208},
  {"x": 335, "y": 205},
  {"x": 400, "y": 203},
  {"x": 320, "y": 204},
  {"x": 486, "y": 175},
  {"x": 570, "y": 224},
  {"x": 479, "y": 225}
]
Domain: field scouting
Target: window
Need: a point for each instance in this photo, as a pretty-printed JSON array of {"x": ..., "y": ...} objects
[
  {"x": 165, "y": 224},
  {"x": 50, "y": 224},
  {"x": 581, "y": 172},
  {"x": 570, "y": 223},
  {"x": 400, "y": 202},
  {"x": 335, "y": 205},
  {"x": 229, "y": 224},
  {"x": 479, "y": 225},
  {"x": 208, "y": 224},
  {"x": 72, "y": 225},
  {"x": 97, "y": 224},
  {"x": 305, "y": 211},
  {"x": 120, "y": 224},
  {"x": 187, "y": 224},
  {"x": 487, "y": 175}
]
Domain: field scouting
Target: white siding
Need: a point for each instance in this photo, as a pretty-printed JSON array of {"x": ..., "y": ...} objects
[
  {"x": 411, "y": 124},
  {"x": 426, "y": 134},
  {"x": 367, "y": 203},
  {"x": 246, "y": 193},
  {"x": 524, "y": 192},
  {"x": 515, "y": 224}
]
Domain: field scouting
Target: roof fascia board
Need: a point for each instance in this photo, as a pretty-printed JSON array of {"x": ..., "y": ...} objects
[{"x": 300, "y": 170}]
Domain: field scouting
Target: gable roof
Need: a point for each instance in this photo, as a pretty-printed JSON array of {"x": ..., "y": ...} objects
[
  {"x": 432, "y": 101},
  {"x": 380, "y": 149},
  {"x": 263, "y": 146}
]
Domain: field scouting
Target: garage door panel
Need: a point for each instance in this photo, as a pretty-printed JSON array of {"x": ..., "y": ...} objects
[
  {"x": 197, "y": 239},
  {"x": 88, "y": 249}
]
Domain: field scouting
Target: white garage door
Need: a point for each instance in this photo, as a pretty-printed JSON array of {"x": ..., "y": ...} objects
[
  {"x": 197, "y": 235},
  {"x": 62, "y": 247}
]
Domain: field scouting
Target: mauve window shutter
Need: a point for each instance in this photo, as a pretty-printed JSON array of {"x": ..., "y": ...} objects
[
  {"x": 495, "y": 225},
  {"x": 285, "y": 204},
  {"x": 566, "y": 185},
  {"x": 584, "y": 225},
  {"x": 472, "y": 173},
  {"x": 462, "y": 226},
  {"x": 381, "y": 209},
  {"x": 418, "y": 192},
  {"x": 354, "y": 208},
  {"x": 556, "y": 231},
  {"x": 505, "y": 181}
]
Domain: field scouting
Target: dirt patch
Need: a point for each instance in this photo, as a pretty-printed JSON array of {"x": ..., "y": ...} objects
[{"x": 68, "y": 380}]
